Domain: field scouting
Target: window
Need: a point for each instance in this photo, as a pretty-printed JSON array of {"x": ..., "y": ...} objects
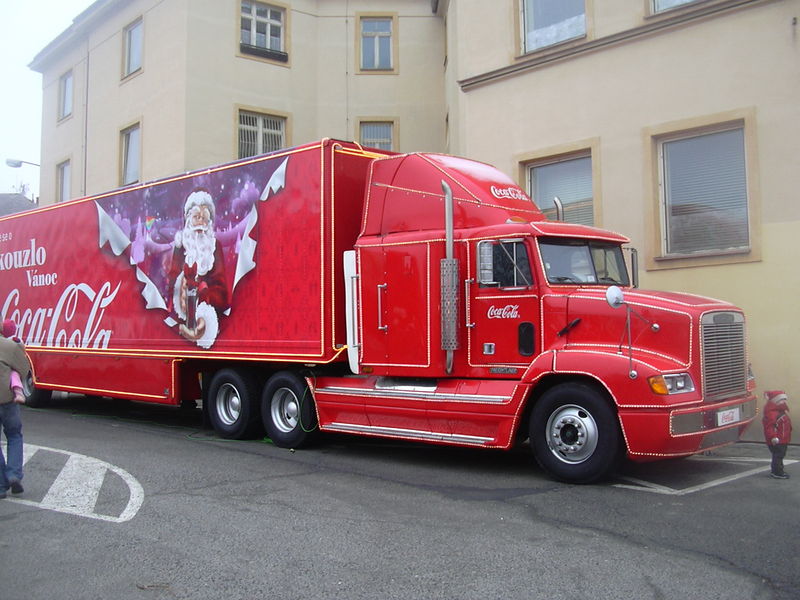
[
  {"x": 377, "y": 134},
  {"x": 376, "y": 44},
  {"x": 504, "y": 264},
  {"x": 262, "y": 31},
  {"x": 662, "y": 5},
  {"x": 704, "y": 198},
  {"x": 575, "y": 261},
  {"x": 549, "y": 22},
  {"x": 570, "y": 181},
  {"x": 63, "y": 179},
  {"x": 133, "y": 48},
  {"x": 259, "y": 134},
  {"x": 131, "y": 154},
  {"x": 65, "y": 95}
]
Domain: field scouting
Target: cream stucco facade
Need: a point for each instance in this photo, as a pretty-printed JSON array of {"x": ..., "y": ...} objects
[{"x": 462, "y": 82}]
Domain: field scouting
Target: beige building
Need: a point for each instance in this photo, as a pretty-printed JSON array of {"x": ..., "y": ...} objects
[
  {"x": 673, "y": 121},
  {"x": 139, "y": 89}
]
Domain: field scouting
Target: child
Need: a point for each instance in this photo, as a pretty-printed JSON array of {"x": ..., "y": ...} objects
[
  {"x": 777, "y": 429},
  {"x": 9, "y": 331}
]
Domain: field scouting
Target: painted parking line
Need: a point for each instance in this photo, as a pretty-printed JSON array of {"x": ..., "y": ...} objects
[
  {"x": 77, "y": 487},
  {"x": 654, "y": 488}
]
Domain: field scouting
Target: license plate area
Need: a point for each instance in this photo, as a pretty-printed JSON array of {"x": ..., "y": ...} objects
[{"x": 729, "y": 416}]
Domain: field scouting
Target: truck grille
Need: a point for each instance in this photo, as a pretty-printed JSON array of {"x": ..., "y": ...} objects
[{"x": 724, "y": 357}]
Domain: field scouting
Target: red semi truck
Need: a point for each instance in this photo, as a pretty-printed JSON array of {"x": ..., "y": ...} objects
[{"x": 336, "y": 288}]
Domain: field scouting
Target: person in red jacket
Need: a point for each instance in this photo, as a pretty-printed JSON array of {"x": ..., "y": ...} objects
[{"x": 777, "y": 429}]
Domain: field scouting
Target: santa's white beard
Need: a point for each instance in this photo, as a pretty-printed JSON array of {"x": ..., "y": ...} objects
[{"x": 198, "y": 247}]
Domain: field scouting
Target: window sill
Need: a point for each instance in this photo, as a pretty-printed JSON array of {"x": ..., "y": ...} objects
[
  {"x": 131, "y": 75},
  {"x": 274, "y": 55},
  {"x": 706, "y": 259}
]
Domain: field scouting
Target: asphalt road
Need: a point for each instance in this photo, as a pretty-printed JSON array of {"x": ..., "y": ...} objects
[{"x": 125, "y": 500}]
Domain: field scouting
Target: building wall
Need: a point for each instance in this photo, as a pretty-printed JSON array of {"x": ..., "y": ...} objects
[
  {"x": 194, "y": 80},
  {"x": 105, "y": 103},
  {"x": 615, "y": 99}
]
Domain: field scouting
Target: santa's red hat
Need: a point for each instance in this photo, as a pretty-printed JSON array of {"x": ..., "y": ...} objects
[
  {"x": 775, "y": 396},
  {"x": 9, "y": 328}
]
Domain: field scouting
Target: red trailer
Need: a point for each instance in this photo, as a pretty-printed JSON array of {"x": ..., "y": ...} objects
[{"x": 331, "y": 287}]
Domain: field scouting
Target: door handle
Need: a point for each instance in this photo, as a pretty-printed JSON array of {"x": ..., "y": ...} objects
[
  {"x": 381, "y": 287},
  {"x": 467, "y": 283}
]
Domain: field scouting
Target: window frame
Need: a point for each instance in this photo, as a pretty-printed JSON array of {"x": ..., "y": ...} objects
[
  {"x": 480, "y": 262},
  {"x": 654, "y": 257},
  {"x": 63, "y": 183},
  {"x": 126, "y": 153},
  {"x": 527, "y": 49},
  {"x": 577, "y": 151},
  {"x": 261, "y": 116},
  {"x": 264, "y": 52},
  {"x": 66, "y": 95},
  {"x": 654, "y": 10},
  {"x": 129, "y": 68},
  {"x": 391, "y": 123},
  {"x": 665, "y": 187},
  {"x": 394, "y": 54}
]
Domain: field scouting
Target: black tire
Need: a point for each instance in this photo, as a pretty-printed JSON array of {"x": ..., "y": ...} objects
[
  {"x": 34, "y": 397},
  {"x": 233, "y": 404},
  {"x": 575, "y": 434},
  {"x": 288, "y": 411}
]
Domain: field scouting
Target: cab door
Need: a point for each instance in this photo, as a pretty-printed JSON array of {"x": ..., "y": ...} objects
[{"x": 502, "y": 306}]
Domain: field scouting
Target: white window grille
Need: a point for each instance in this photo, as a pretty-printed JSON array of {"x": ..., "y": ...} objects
[
  {"x": 376, "y": 43},
  {"x": 704, "y": 198},
  {"x": 259, "y": 134},
  {"x": 549, "y": 22},
  {"x": 377, "y": 134},
  {"x": 262, "y": 26},
  {"x": 65, "y": 88},
  {"x": 571, "y": 181},
  {"x": 131, "y": 154}
]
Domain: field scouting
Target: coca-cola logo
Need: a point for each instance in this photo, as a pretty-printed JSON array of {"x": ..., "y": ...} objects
[
  {"x": 509, "y": 311},
  {"x": 59, "y": 325},
  {"x": 508, "y": 193}
]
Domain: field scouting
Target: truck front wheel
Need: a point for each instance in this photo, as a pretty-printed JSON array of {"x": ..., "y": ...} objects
[
  {"x": 574, "y": 433},
  {"x": 233, "y": 404},
  {"x": 287, "y": 409}
]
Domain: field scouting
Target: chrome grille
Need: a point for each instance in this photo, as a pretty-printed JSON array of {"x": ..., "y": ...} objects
[{"x": 724, "y": 356}]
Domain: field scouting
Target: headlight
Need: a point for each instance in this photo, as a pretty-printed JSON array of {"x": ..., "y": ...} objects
[{"x": 677, "y": 383}]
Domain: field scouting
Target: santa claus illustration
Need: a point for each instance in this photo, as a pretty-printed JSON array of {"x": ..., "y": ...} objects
[{"x": 197, "y": 273}]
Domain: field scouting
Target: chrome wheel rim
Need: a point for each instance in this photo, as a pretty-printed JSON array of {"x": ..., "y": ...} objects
[
  {"x": 229, "y": 404},
  {"x": 285, "y": 410},
  {"x": 572, "y": 434}
]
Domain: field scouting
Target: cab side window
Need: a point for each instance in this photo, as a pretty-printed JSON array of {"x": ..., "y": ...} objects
[{"x": 504, "y": 264}]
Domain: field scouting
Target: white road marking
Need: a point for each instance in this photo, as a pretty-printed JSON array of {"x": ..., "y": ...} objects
[
  {"x": 647, "y": 486},
  {"x": 77, "y": 487}
]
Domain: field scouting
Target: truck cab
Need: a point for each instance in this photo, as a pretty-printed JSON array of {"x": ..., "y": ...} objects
[{"x": 485, "y": 324}]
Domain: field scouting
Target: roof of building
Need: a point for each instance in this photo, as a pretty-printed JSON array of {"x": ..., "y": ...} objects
[
  {"x": 14, "y": 203},
  {"x": 79, "y": 28}
]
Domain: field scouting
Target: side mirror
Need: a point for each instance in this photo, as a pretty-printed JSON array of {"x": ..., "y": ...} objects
[{"x": 614, "y": 297}]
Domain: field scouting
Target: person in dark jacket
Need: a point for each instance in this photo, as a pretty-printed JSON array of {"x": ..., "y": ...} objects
[
  {"x": 777, "y": 429},
  {"x": 12, "y": 358}
]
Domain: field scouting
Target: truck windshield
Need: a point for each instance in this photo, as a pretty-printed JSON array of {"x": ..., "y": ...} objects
[{"x": 583, "y": 262}]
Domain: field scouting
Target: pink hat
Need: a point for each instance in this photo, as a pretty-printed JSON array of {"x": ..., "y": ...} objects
[
  {"x": 9, "y": 328},
  {"x": 775, "y": 396}
]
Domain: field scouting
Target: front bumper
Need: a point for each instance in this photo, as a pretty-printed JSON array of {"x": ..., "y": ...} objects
[{"x": 671, "y": 432}]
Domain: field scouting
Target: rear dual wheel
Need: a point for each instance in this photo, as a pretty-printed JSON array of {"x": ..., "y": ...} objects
[
  {"x": 287, "y": 410},
  {"x": 234, "y": 408}
]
